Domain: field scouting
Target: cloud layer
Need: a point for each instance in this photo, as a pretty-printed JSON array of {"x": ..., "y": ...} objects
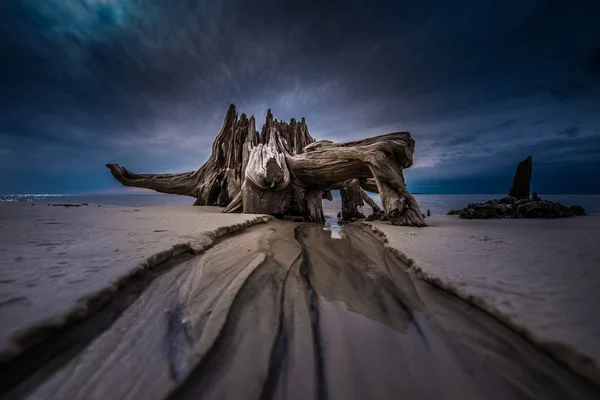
[{"x": 146, "y": 83}]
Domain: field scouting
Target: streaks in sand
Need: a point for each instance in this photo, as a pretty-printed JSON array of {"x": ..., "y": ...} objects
[{"x": 283, "y": 311}]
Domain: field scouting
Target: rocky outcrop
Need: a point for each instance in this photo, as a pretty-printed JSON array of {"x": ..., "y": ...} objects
[
  {"x": 521, "y": 181},
  {"x": 511, "y": 207},
  {"x": 518, "y": 203}
]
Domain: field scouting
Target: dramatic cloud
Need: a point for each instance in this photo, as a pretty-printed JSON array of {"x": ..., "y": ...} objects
[
  {"x": 570, "y": 132},
  {"x": 146, "y": 83}
]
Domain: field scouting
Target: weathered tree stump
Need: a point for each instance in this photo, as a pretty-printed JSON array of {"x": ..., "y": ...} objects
[
  {"x": 351, "y": 194},
  {"x": 520, "y": 185},
  {"x": 283, "y": 170}
]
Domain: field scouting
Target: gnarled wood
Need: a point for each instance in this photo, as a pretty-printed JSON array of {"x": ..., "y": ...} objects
[
  {"x": 381, "y": 157},
  {"x": 219, "y": 180},
  {"x": 183, "y": 184},
  {"x": 369, "y": 184},
  {"x": 352, "y": 198},
  {"x": 283, "y": 170},
  {"x": 370, "y": 202}
]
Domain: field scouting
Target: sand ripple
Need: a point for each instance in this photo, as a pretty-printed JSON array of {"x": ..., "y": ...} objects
[{"x": 284, "y": 311}]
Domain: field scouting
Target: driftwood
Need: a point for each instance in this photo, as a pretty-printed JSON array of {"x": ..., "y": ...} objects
[
  {"x": 283, "y": 170},
  {"x": 521, "y": 182},
  {"x": 352, "y": 198}
]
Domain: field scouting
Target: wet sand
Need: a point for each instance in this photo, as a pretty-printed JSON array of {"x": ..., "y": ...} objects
[
  {"x": 58, "y": 264},
  {"x": 539, "y": 276},
  {"x": 283, "y": 311}
]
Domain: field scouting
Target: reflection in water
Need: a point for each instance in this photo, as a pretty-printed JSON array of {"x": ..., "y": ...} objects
[
  {"x": 331, "y": 225},
  {"x": 382, "y": 334},
  {"x": 341, "y": 271}
]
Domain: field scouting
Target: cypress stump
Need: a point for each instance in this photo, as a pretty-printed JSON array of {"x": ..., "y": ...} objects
[{"x": 283, "y": 170}]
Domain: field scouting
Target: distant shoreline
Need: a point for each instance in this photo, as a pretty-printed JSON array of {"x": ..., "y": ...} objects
[{"x": 436, "y": 203}]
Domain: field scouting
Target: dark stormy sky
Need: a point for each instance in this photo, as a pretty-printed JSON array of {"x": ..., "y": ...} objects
[{"x": 146, "y": 83}]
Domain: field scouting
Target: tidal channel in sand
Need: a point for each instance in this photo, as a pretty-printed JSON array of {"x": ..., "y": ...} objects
[{"x": 285, "y": 311}]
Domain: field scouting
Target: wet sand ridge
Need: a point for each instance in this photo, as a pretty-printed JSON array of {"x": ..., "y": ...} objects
[{"x": 284, "y": 311}]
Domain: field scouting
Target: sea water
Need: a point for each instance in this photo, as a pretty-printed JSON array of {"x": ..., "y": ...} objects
[{"x": 437, "y": 204}]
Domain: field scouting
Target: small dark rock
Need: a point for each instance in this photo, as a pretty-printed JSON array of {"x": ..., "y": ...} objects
[
  {"x": 535, "y": 197},
  {"x": 298, "y": 219},
  {"x": 479, "y": 213},
  {"x": 454, "y": 212},
  {"x": 521, "y": 201},
  {"x": 577, "y": 210},
  {"x": 530, "y": 210},
  {"x": 507, "y": 200}
]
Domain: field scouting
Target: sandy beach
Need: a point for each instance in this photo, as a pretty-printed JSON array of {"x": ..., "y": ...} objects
[
  {"x": 539, "y": 276},
  {"x": 58, "y": 261},
  {"x": 299, "y": 200},
  {"x": 184, "y": 302}
]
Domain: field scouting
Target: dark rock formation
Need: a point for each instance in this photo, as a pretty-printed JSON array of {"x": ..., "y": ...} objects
[
  {"x": 509, "y": 207},
  {"x": 577, "y": 210},
  {"x": 507, "y": 200},
  {"x": 522, "y": 180},
  {"x": 518, "y": 204}
]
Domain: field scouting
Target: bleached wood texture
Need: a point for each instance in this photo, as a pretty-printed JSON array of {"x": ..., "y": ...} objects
[{"x": 283, "y": 170}]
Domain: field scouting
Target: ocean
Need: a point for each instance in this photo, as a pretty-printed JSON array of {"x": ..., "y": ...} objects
[{"x": 437, "y": 203}]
